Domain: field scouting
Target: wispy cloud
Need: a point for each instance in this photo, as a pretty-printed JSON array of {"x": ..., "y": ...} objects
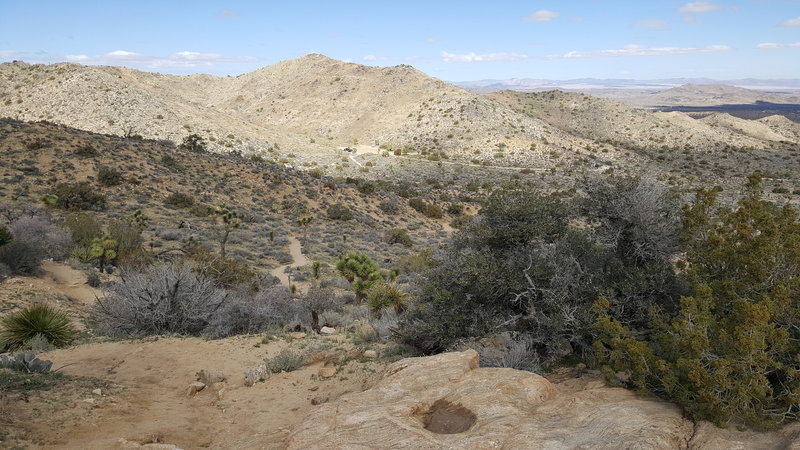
[
  {"x": 432, "y": 41},
  {"x": 406, "y": 59},
  {"x": 791, "y": 22},
  {"x": 487, "y": 57},
  {"x": 773, "y": 46},
  {"x": 700, "y": 7},
  {"x": 227, "y": 13},
  {"x": 642, "y": 50},
  {"x": 176, "y": 60},
  {"x": 542, "y": 15},
  {"x": 651, "y": 24}
]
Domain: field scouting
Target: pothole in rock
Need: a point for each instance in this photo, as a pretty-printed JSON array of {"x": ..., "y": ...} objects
[{"x": 445, "y": 417}]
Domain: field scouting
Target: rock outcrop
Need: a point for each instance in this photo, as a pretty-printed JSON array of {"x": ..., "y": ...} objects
[{"x": 447, "y": 401}]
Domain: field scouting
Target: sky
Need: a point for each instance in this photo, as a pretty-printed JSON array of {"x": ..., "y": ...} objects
[{"x": 451, "y": 40}]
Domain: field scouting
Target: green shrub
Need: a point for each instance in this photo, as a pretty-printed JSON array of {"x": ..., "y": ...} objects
[
  {"x": 398, "y": 236},
  {"x": 179, "y": 200},
  {"x": 109, "y": 176},
  {"x": 86, "y": 151},
  {"x": 389, "y": 207},
  {"x": 359, "y": 270},
  {"x": 387, "y": 295},
  {"x": 224, "y": 271},
  {"x": 193, "y": 143},
  {"x": 36, "y": 320},
  {"x": 285, "y": 361},
  {"x": 22, "y": 257},
  {"x": 84, "y": 228},
  {"x": 75, "y": 196},
  {"x": 417, "y": 204},
  {"x": 5, "y": 236},
  {"x": 433, "y": 211},
  {"x": 729, "y": 352},
  {"x": 338, "y": 211},
  {"x": 455, "y": 209}
]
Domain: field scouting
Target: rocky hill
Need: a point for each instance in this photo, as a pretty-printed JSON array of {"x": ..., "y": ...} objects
[
  {"x": 309, "y": 104},
  {"x": 612, "y": 122},
  {"x": 708, "y": 95}
]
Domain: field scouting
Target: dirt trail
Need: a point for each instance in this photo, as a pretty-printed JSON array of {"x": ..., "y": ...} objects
[
  {"x": 70, "y": 282},
  {"x": 149, "y": 403},
  {"x": 298, "y": 260}
]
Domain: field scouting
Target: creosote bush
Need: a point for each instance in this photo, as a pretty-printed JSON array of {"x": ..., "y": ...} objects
[
  {"x": 40, "y": 320},
  {"x": 78, "y": 196},
  {"x": 109, "y": 176}
]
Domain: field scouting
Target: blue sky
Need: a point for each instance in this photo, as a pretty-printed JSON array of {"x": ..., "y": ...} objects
[{"x": 451, "y": 40}]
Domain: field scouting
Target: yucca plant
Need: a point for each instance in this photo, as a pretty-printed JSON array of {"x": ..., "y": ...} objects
[{"x": 40, "y": 319}]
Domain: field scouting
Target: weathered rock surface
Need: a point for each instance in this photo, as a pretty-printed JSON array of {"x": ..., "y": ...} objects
[{"x": 487, "y": 408}]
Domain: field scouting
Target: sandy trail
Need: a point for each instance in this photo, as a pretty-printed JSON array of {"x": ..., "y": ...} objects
[{"x": 298, "y": 260}]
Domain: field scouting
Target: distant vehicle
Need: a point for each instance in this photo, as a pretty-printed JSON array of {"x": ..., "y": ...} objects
[{"x": 350, "y": 150}]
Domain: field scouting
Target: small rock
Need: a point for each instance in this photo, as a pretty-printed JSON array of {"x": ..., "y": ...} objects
[
  {"x": 194, "y": 388},
  {"x": 256, "y": 374},
  {"x": 89, "y": 400},
  {"x": 326, "y": 372},
  {"x": 370, "y": 354},
  {"x": 319, "y": 400},
  {"x": 327, "y": 331},
  {"x": 209, "y": 377},
  {"x": 297, "y": 335},
  {"x": 312, "y": 389},
  {"x": 97, "y": 391}
]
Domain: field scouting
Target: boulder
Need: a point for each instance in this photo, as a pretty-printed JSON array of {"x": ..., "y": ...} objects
[
  {"x": 327, "y": 331},
  {"x": 448, "y": 401}
]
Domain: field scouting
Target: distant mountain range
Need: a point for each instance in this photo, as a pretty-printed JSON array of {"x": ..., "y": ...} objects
[{"x": 591, "y": 84}]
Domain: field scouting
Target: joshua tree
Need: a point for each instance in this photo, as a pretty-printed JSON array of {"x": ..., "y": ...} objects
[{"x": 230, "y": 222}]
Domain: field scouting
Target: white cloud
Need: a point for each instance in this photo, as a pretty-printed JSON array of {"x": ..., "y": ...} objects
[
  {"x": 773, "y": 46},
  {"x": 183, "y": 59},
  {"x": 699, "y": 7},
  {"x": 792, "y": 22},
  {"x": 227, "y": 13},
  {"x": 407, "y": 59},
  {"x": 651, "y": 23},
  {"x": 542, "y": 15},
  {"x": 432, "y": 41},
  {"x": 642, "y": 50},
  {"x": 488, "y": 57},
  {"x": 375, "y": 58}
]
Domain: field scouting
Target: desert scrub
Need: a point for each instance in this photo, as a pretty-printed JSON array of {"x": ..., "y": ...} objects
[
  {"x": 387, "y": 295},
  {"x": 285, "y": 361},
  {"x": 36, "y": 320},
  {"x": 75, "y": 196},
  {"x": 109, "y": 176}
]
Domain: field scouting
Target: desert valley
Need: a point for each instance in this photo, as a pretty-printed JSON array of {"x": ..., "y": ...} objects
[{"x": 324, "y": 254}]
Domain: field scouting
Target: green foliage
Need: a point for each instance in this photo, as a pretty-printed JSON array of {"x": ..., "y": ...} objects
[
  {"x": 84, "y": 228},
  {"x": 730, "y": 351},
  {"x": 77, "y": 196},
  {"x": 179, "y": 200},
  {"x": 398, "y": 236},
  {"x": 127, "y": 233},
  {"x": 230, "y": 222},
  {"x": 359, "y": 270},
  {"x": 22, "y": 257},
  {"x": 109, "y": 176},
  {"x": 387, "y": 295},
  {"x": 285, "y": 361},
  {"x": 193, "y": 143},
  {"x": 519, "y": 266},
  {"x": 5, "y": 236},
  {"x": 39, "y": 319},
  {"x": 103, "y": 250},
  {"x": 316, "y": 268},
  {"x": 224, "y": 271},
  {"x": 338, "y": 211}
]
